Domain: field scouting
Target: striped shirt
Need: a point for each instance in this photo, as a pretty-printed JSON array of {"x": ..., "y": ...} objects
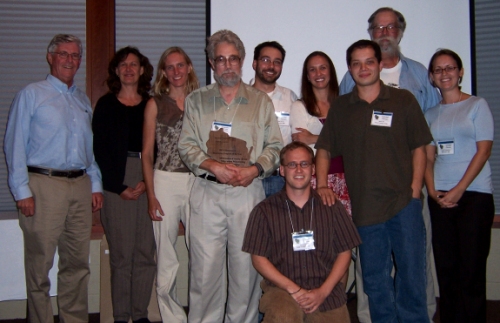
[{"x": 269, "y": 234}]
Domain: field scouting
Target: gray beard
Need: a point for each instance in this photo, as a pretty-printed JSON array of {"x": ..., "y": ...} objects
[
  {"x": 229, "y": 82},
  {"x": 391, "y": 50}
]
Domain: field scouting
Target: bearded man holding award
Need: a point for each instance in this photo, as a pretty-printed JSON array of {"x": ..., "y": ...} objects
[{"x": 230, "y": 140}]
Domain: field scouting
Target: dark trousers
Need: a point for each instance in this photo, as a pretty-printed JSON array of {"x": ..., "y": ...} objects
[
  {"x": 131, "y": 242},
  {"x": 461, "y": 240}
]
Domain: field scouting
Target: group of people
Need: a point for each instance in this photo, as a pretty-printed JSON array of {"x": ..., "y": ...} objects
[
  {"x": 264, "y": 182},
  {"x": 135, "y": 145}
]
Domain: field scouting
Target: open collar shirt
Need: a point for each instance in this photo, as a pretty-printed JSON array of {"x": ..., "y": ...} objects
[
  {"x": 377, "y": 160},
  {"x": 282, "y": 98},
  {"x": 253, "y": 120},
  {"x": 269, "y": 234},
  {"x": 414, "y": 78},
  {"x": 49, "y": 126}
]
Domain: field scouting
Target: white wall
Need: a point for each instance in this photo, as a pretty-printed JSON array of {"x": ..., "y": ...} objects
[{"x": 332, "y": 25}]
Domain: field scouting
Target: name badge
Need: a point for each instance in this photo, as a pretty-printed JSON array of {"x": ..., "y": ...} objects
[
  {"x": 217, "y": 125},
  {"x": 445, "y": 147},
  {"x": 381, "y": 119},
  {"x": 394, "y": 85},
  {"x": 283, "y": 118},
  {"x": 303, "y": 241}
]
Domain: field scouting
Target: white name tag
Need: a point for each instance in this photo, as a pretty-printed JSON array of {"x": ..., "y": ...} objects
[
  {"x": 283, "y": 118},
  {"x": 226, "y": 127},
  {"x": 303, "y": 241},
  {"x": 445, "y": 147},
  {"x": 394, "y": 85},
  {"x": 381, "y": 119}
]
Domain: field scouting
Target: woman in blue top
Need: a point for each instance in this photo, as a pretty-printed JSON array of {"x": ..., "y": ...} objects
[{"x": 458, "y": 179}]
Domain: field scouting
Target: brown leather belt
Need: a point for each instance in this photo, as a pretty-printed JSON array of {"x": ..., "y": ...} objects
[{"x": 57, "y": 173}]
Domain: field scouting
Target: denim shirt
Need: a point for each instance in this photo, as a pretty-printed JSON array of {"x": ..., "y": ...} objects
[
  {"x": 49, "y": 126},
  {"x": 413, "y": 77}
]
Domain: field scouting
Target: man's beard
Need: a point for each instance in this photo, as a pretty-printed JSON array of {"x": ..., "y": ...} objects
[
  {"x": 388, "y": 45},
  {"x": 269, "y": 80},
  {"x": 227, "y": 81}
]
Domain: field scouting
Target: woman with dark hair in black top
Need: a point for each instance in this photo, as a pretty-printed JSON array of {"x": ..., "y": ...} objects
[{"x": 117, "y": 127}]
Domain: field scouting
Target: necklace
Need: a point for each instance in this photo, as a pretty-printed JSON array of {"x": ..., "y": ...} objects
[
  {"x": 290, "y": 215},
  {"x": 215, "y": 114},
  {"x": 459, "y": 99}
]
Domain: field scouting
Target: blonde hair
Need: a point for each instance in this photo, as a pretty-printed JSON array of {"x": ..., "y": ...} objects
[{"x": 161, "y": 85}]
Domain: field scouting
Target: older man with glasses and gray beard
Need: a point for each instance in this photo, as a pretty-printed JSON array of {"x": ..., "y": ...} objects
[{"x": 230, "y": 140}]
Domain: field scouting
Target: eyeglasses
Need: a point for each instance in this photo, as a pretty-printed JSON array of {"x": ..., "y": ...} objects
[
  {"x": 221, "y": 60},
  {"x": 266, "y": 60},
  {"x": 447, "y": 69},
  {"x": 303, "y": 164},
  {"x": 64, "y": 55},
  {"x": 388, "y": 28}
]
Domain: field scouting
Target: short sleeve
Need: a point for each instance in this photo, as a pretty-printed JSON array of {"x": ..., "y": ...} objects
[
  {"x": 346, "y": 235},
  {"x": 483, "y": 121},
  {"x": 326, "y": 139},
  {"x": 257, "y": 236}
]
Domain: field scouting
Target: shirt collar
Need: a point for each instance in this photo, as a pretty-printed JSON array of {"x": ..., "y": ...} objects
[
  {"x": 241, "y": 96},
  {"x": 273, "y": 94},
  {"x": 383, "y": 95},
  {"x": 60, "y": 85},
  {"x": 276, "y": 94},
  {"x": 313, "y": 194}
]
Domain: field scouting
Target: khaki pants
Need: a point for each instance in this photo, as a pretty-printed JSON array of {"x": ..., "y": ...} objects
[
  {"x": 220, "y": 271},
  {"x": 279, "y": 307},
  {"x": 172, "y": 191},
  {"x": 62, "y": 220}
]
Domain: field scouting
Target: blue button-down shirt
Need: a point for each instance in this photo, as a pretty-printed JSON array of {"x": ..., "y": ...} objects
[{"x": 49, "y": 126}]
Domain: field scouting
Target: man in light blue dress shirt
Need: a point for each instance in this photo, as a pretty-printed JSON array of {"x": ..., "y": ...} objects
[{"x": 55, "y": 181}]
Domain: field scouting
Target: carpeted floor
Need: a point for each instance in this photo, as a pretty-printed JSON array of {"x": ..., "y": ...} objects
[{"x": 493, "y": 314}]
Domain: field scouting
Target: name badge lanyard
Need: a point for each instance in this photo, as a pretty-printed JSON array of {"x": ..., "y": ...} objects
[
  {"x": 234, "y": 114},
  {"x": 304, "y": 240}
]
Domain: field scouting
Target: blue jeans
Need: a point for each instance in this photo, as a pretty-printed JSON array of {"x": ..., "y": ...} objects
[
  {"x": 400, "y": 240},
  {"x": 273, "y": 184}
]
